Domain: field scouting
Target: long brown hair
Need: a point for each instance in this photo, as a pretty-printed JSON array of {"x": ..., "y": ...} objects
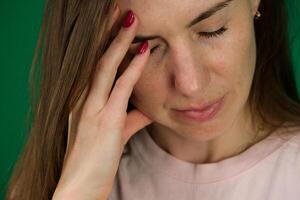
[{"x": 74, "y": 36}]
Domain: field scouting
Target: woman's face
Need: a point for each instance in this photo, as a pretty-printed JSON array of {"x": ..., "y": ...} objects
[{"x": 190, "y": 66}]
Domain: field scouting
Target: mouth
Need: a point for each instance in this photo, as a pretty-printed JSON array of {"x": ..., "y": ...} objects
[{"x": 205, "y": 113}]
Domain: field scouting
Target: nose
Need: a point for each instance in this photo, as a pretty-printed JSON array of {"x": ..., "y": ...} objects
[{"x": 189, "y": 75}]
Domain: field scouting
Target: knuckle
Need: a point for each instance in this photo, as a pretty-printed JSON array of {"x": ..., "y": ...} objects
[
  {"x": 118, "y": 39},
  {"x": 101, "y": 63},
  {"x": 86, "y": 115},
  {"x": 120, "y": 83}
]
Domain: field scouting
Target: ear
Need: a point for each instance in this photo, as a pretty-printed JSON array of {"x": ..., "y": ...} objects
[{"x": 255, "y": 5}]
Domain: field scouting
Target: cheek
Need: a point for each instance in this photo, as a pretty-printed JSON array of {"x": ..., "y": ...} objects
[
  {"x": 148, "y": 92},
  {"x": 245, "y": 56},
  {"x": 241, "y": 58},
  {"x": 237, "y": 56},
  {"x": 145, "y": 94}
]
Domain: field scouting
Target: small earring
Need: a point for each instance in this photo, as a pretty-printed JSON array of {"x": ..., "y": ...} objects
[{"x": 257, "y": 15}]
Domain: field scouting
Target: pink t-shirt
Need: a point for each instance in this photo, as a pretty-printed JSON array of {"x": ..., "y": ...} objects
[{"x": 268, "y": 170}]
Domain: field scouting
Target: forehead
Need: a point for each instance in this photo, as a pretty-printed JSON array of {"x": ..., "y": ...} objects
[
  {"x": 150, "y": 4},
  {"x": 164, "y": 12},
  {"x": 165, "y": 9}
]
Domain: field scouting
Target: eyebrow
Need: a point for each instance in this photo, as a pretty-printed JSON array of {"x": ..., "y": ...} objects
[{"x": 201, "y": 17}]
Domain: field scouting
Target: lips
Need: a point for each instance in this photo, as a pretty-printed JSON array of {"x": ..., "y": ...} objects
[
  {"x": 199, "y": 109},
  {"x": 200, "y": 114}
]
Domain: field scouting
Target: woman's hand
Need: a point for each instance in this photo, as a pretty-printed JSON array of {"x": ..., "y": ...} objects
[{"x": 99, "y": 126}]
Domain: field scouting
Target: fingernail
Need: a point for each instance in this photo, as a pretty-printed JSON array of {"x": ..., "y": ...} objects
[
  {"x": 129, "y": 19},
  {"x": 143, "y": 47}
]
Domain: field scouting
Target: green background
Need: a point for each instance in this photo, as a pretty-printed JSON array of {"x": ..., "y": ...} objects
[{"x": 20, "y": 22}]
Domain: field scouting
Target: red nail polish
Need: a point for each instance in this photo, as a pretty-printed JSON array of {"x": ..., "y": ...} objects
[
  {"x": 129, "y": 19},
  {"x": 143, "y": 47}
]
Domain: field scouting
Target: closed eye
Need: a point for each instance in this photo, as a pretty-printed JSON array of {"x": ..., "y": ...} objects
[
  {"x": 213, "y": 34},
  {"x": 202, "y": 34},
  {"x": 153, "y": 49}
]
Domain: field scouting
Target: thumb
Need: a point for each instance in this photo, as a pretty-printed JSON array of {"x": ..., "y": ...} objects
[{"x": 135, "y": 121}]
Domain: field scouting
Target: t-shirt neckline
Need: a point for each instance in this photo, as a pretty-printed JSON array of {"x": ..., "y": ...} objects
[{"x": 146, "y": 150}]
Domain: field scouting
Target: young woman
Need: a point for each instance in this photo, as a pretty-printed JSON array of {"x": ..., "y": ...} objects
[{"x": 213, "y": 112}]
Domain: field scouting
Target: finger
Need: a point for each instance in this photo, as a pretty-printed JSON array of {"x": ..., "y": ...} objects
[
  {"x": 122, "y": 90},
  {"x": 135, "y": 121},
  {"x": 113, "y": 19},
  {"x": 73, "y": 119},
  {"x": 107, "y": 68}
]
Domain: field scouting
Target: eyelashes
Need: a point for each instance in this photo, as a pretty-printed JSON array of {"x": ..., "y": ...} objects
[
  {"x": 153, "y": 49},
  {"x": 206, "y": 35},
  {"x": 214, "y": 33}
]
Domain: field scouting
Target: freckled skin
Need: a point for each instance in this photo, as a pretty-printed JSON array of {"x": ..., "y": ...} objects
[{"x": 188, "y": 69}]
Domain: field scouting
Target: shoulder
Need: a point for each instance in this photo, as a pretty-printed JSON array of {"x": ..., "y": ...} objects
[
  {"x": 290, "y": 137},
  {"x": 290, "y": 132}
]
